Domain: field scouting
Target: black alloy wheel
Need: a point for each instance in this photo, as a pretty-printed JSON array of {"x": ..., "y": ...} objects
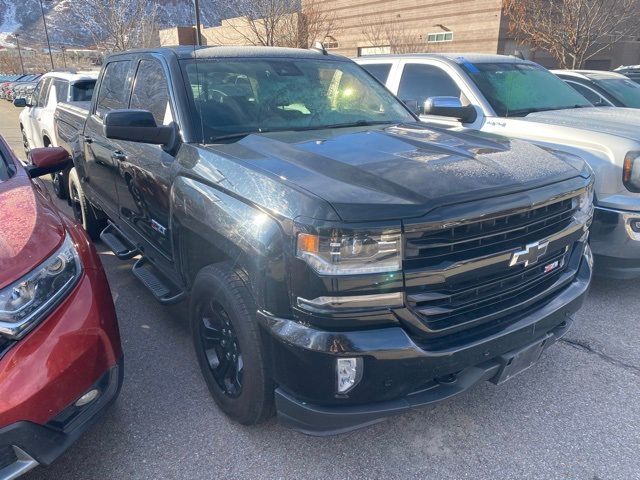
[{"x": 220, "y": 343}]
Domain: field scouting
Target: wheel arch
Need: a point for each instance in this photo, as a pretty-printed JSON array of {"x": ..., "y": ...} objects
[{"x": 210, "y": 227}]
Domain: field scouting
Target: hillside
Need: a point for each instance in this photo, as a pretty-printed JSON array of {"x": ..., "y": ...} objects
[{"x": 25, "y": 18}]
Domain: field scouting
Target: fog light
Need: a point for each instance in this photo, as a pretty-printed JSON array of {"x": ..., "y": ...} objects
[
  {"x": 88, "y": 397},
  {"x": 588, "y": 255},
  {"x": 349, "y": 373}
]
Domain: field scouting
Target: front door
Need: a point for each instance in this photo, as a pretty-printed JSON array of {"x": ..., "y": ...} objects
[
  {"x": 35, "y": 114},
  {"x": 103, "y": 156},
  {"x": 146, "y": 172}
]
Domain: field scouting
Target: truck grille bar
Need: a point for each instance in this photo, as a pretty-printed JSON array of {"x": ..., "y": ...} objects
[{"x": 460, "y": 276}]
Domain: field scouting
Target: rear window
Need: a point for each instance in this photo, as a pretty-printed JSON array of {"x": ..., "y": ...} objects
[{"x": 82, "y": 91}]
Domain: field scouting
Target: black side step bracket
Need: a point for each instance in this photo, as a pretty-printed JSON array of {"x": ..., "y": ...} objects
[
  {"x": 118, "y": 243},
  {"x": 161, "y": 288}
]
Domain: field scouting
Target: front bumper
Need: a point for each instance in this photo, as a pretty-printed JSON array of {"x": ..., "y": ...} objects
[
  {"x": 615, "y": 245},
  {"x": 34, "y": 444},
  {"x": 398, "y": 375},
  {"x": 75, "y": 349}
]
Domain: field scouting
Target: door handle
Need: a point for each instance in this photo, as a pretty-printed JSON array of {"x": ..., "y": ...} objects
[
  {"x": 88, "y": 139},
  {"x": 119, "y": 156}
]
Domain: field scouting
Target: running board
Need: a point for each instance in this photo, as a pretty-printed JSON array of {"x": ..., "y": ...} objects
[
  {"x": 117, "y": 242},
  {"x": 160, "y": 287}
]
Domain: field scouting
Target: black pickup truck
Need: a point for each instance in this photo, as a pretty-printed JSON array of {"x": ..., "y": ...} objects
[{"x": 343, "y": 262}]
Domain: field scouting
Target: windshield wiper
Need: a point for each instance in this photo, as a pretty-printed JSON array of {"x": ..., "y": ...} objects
[
  {"x": 357, "y": 123},
  {"x": 232, "y": 136},
  {"x": 523, "y": 112}
]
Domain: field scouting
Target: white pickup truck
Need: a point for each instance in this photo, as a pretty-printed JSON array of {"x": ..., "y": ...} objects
[
  {"x": 36, "y": 119},
  {"x": 520, "y": 99}
]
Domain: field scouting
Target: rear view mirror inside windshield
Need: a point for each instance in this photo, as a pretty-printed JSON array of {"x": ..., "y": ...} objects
[{"x": 286, "y": 69}]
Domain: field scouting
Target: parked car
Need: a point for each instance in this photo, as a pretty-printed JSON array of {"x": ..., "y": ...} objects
[
  {"x": 60, "y": 354},
  {"x": 631, "y": 71},
  {"x": 603, "y": 89},
  {"x": 341, "y": 258},
  {"x": 7, "y": 89},
  {"x": 25, "y": 90},
  {"x": 36, "y": 120},
  {"x": 520, "y": 99}
]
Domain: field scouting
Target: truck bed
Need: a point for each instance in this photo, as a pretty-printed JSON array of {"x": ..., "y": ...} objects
[{"x": 69, "y": 120}]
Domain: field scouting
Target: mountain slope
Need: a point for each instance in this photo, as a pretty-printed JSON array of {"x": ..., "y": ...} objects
[{"x": 25, "y": 17}]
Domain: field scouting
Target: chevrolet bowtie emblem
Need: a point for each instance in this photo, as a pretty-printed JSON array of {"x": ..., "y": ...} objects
[{"x": 530, "y": 255}]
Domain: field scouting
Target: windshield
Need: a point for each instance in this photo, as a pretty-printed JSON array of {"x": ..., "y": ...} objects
[
  {"x": 624, "y": 90},
  {"x": 231, "y": 98},
  {"x": 517, "y": 89}
]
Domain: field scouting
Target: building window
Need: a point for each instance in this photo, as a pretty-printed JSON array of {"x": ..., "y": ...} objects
[
  {"x": 374, "y": 50},
  {"x": 330, "y": 42},
  {"x": 440, "y": 37}
]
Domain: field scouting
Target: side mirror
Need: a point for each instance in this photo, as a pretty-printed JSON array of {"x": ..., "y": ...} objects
[
  {"x": 47, "y": 160},
  {"x": 412, "y": 105},
  {"x": 20, "y": 103},
  {"x": 450, "y": 107},
  {"x": 136, "y": 126}
]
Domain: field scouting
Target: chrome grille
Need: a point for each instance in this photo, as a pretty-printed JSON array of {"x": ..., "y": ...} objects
[
  {"x": 460, "y": 276},
  {"x": 433, "y": 247}
]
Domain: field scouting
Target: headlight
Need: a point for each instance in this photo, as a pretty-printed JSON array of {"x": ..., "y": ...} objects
[
  {"x": 631, "y": 172},
  {"x": 584, "y": 210},
  {"x": 340, "y": 253},
  {"x": 24, "y": 303}
]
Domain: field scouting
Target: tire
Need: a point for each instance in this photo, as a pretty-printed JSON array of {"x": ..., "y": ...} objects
[
  {"x": 59, "y": 184},
  {"x": 83, "y": 212},
  {"x": 220, "y": 302},
  {"x": 25, "y": 142}
]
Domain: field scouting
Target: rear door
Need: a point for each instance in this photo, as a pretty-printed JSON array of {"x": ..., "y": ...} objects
[
  {"x": 102, "y": 155},
  {"x": 146, "y": 171}
]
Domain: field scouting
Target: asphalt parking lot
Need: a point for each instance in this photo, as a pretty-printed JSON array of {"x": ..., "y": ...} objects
[{"x": 574, "y": 415}]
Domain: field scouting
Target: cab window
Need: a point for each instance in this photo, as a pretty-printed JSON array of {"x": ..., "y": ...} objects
[
  {"x": 589, "y": 94},
  {"x": 378, "y": 70},
  {"x": 113, "y": 93},
  {"x": 421, "y": 81},
  {"x": 43, "y": 96},
  {"x": 61, "y": 89},
  {"x": 156, "y": 99}
]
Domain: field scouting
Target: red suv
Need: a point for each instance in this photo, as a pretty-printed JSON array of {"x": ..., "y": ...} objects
[{"x": 60, "y": 353}]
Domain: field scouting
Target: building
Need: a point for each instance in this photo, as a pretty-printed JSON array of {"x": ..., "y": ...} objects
[
  {"x": 367, "y": 27},
  {"x": 240, "y": 31}
]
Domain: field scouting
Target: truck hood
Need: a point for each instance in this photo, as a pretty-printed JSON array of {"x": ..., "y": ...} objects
[
  {"x": 30, "y": 229},
  {"x": 402, "y": 170},
  {"x": 623, "y": 122}
]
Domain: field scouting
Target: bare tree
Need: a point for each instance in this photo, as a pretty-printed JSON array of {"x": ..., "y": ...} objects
[
  {"x": 117, "y": 25},
  {"x": 572, "y": 31},
  {"x": 263, "y": 22},
  {"x": 283, "y": 23},
  {"x": 9, "y": 63},
  {"x": 317, "y": 23},
  {"x": 383, "y": 31}
]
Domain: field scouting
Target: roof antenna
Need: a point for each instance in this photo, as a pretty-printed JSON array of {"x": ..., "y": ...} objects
[{"x": 319, "y": 47}]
